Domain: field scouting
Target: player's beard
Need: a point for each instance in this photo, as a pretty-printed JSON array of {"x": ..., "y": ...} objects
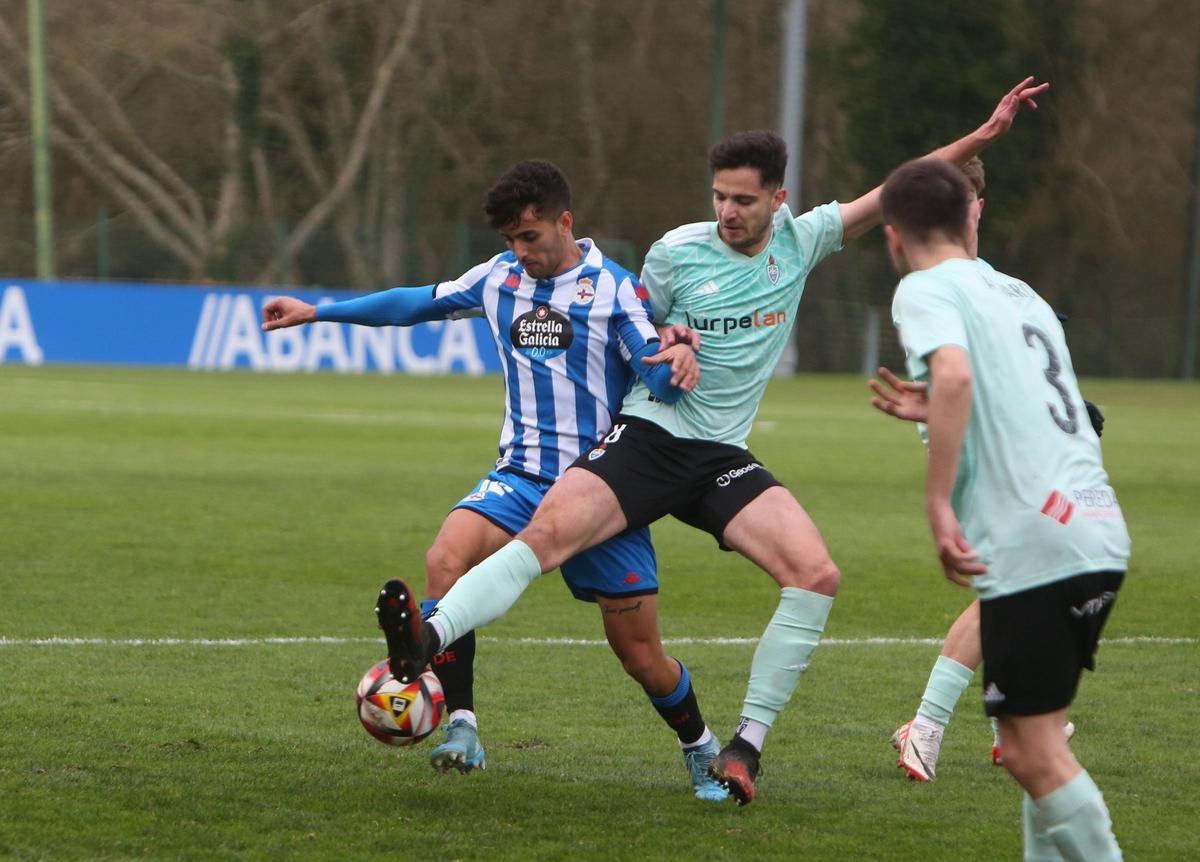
[
  {"x": 745, "y": 240},
  {"x": 550, "y": 263}
]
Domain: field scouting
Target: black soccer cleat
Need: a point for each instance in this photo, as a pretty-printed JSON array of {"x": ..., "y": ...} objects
[
  {"x": 735, "y": 769},
  {"x": 401, "y": 623}
]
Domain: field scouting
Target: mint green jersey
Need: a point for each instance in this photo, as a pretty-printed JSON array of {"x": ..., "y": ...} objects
[
  {"x": 1031, "y": 492},
  {"x": 743, "y": 307}
]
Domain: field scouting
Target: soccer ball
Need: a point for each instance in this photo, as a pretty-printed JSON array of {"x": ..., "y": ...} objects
[{"x": 395, "y": 713}]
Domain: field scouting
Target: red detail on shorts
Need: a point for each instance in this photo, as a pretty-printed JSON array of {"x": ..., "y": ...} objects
[
  {"x": 632, "y": 577},
  {"x": 446, "y": 657},
  {"x": 1058, "y": 507}
]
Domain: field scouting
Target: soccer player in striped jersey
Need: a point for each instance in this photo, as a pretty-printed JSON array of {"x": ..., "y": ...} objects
[
  {"x": 738, "y": 280},
  {"x": 1018, "y": 501},
  {"x": 573, "y": 333}
]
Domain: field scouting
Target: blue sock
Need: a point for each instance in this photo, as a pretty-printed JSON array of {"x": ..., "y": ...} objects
[{"x": 680, "y": 710}]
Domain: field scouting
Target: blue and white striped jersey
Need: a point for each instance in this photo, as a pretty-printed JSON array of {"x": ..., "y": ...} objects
[{"x": 565, "y": 345}]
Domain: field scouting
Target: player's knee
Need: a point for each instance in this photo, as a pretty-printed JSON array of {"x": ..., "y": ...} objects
[
  {"x": 822, "y": 577},
  {"x": 1016, "y": 761},
  {"x": 647, "y": 668},
  {"x": 442, "y": 568},
  {"x": 826, "y": 579},
  {"x": 552, "y": 544}
]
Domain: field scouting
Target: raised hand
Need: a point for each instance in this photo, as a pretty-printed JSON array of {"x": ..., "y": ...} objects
[{"x": 1022, "y": 94}]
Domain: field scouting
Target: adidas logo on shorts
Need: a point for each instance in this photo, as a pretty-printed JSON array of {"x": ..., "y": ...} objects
[{"x": 993, "y": 694}]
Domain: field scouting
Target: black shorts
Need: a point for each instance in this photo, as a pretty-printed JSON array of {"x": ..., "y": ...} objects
[
  {"x": 1036, "y": 643},
  {"x": 654, "y": 473}
]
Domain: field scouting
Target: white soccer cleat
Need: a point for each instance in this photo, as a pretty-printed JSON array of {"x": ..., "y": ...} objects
[
  {"x": 998, "y": 755},
  {"x": 919, "y": 748}
]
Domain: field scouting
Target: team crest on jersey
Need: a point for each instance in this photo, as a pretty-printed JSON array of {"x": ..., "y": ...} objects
[
  {"x": 542, "y": 333},
  {"x": 513, "y": 281},
  {"x": 773, "y": 270},
  {"x": 584, "y": 292},
  {"x": 640, "y": 290}
]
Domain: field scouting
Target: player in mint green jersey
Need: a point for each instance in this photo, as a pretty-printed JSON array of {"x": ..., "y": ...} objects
[
  {"x": 738, "y": 281},
  {"x": 1016, "y": 494},
  {"x": 919, "y": 740}
]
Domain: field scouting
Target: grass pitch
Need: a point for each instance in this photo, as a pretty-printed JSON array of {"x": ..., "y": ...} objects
[{"x": 188, "y": 564}]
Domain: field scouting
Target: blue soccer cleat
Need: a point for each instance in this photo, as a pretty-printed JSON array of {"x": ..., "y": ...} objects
[
  {"x": 698, "y": 760},
  {"x": 461, "y": 750}
]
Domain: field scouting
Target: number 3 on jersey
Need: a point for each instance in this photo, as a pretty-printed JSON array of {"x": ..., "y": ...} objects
[{"x": 1053, "y": 366}]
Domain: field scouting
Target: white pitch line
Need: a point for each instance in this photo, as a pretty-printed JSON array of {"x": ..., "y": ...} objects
[{"x": 287, "y": 641}]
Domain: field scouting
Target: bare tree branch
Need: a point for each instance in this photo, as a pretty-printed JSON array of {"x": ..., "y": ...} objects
[{"x": 358, "y": 148}]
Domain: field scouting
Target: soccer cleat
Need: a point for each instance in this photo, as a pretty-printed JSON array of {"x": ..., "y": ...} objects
[
  {"x": 401, "y": 623},
  {"x": 919, "y": 748},
  {"x": 998, "y": 756},
  {"x": 735, "y": 769},
  {"x": 698, "y": 761},
  {"x": 897, "y": 739},
  {"x": 461, "y": 750}
]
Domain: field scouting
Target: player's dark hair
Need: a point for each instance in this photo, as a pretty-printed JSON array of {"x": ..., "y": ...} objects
[
  {"x": 762, "y": 150},
  {"x": 927, "y": 196},
  {"x": 530, "y": 182},
  {"x": 973, "y": 170}
]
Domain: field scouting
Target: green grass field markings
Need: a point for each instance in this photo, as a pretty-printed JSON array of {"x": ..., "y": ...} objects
[{"x": 588, "y": 642}]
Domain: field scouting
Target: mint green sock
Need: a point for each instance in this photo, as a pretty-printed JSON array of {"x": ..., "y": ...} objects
[
  {"x": 1038, "y": 846},
  {"x": 947, "y": 681},
  {"x": 783, "y": 652},
  {"x": 1076, "y": 819},
  {"x": 485, "y": 592}
]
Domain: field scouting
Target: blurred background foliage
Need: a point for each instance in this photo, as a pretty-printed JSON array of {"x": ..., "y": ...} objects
[{"x": 347, "y": 143}]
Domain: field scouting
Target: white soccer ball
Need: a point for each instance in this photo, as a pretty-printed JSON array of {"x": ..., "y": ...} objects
[{"x": 395, "y": 713}]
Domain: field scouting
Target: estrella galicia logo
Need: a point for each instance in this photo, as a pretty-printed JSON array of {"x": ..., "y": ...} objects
[{"x": 542, "y": 333}]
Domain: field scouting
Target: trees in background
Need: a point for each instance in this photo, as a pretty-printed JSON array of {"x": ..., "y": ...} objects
[{"x": 348, "y": 143}]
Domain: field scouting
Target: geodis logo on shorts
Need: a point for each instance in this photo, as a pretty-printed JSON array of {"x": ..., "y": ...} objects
[
  {"x": 541, "y": 333},
  {"x": 736, "y": 473}
]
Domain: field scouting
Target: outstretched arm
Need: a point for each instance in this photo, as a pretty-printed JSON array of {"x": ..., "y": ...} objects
[
  {"x": 862, "y": 214},
  {"x": 400, "y": 306}
]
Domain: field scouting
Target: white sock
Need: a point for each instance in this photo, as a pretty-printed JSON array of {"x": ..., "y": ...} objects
[
  {"x": 441, "y": 632},
  {"x": 929, "y": 724},
  {"x": 703, "y": 740},
  {"x": 753, "y": 732},
  {"x": 465, "y": 715}
]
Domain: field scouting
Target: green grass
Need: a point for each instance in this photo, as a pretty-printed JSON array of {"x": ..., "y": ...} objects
[{"x": 155, "y": 504}]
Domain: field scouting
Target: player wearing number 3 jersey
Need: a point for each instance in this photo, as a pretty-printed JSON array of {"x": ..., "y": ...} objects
[
  {"x": 1016, "y": 494},
  {"x": 1035, "y": 505}
]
